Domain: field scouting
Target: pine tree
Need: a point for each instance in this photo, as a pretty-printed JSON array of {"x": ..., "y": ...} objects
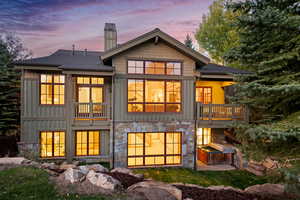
[
  {"x": 269, "y": 46},
  {"x": 188, "y": 41},
  {"x": 11, "y": 49}
]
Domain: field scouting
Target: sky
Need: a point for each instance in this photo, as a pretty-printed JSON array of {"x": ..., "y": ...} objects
[{"x": 47, "y": 25}]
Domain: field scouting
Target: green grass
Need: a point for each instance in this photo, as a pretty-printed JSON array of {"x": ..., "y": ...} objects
[
  {"x": 236, "y": 178},
  {"x": 25, "y": 183}
]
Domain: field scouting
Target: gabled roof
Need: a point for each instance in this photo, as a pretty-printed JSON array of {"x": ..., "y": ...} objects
[
  {"x": 67, "y": 60},
  {"x": 219, "y": 69},
  {"x": 153, "y": 34}
]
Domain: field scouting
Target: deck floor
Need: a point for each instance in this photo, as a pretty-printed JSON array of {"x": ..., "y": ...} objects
[{"x": 203, "y": 167}]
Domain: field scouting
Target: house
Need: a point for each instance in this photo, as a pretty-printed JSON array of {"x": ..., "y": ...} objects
[{"x": 151, "y": 101}]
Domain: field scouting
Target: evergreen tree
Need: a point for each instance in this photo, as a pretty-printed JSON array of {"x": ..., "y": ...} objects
[
  {"x": 216, "y": 33},
  {"x": 188, "y": 41},
  {"x": 11, "y": 50},
  {"x": 270, "y": 47}
]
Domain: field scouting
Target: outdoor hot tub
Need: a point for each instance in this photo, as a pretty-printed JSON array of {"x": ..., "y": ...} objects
[{"x": 211, "y": 156}]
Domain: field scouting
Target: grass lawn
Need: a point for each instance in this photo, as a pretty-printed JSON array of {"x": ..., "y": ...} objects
[
  {"x": 24, "y": 183},
  {"x": 237, "y": 178}
]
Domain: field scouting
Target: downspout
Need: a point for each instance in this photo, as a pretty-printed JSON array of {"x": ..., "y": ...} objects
[
  {"x": 113, "y": 119},
  {"x": 195, "y": 120}
]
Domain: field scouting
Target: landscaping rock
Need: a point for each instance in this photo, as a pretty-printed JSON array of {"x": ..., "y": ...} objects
[
  {"x": 97, "y": 168},
  {"x": 152, "y": 194},
  {"x": 73, "y": 175},
  {"x": 84, "y": 169},
  {"x": 266, "y": 189},
  {"x": 65, "y": 166},
  {"x": 127, "y": 171},
  {"x": 253, "y": 171},
  {"x": 222, "y": 187},
  {"x": 76, "y": 162},
  {"x": 103, "y": 180},
  {"x": 155, "y": 190},
  {"x": 270, "y": 164},
  {"x": 12, "y": 161}
]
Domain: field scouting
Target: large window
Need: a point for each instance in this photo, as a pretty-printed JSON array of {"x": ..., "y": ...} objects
[
  {"x": 154, "y": 67},
  {"x": 147, "y": 149},
  {"x": 52, "y": 90},
  {"x": 52, "y": 144},
  {"x": 204, "y": 95},
  {"x": 90, "y": 95},
  {"x": 203, "y": 136},
  {"x": 87, "y": 143},
  {"x": 154, "y": 96}
]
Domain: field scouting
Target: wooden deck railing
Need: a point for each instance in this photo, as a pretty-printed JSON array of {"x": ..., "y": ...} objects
[
  {"x": 92, "y": 111},
  {"x": 221, "y": 112}
]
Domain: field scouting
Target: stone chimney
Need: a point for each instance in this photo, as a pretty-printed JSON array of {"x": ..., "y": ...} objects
[{"x": 110, "y": 36}]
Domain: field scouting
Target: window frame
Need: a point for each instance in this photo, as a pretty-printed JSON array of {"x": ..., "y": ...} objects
[
  {"x": 165, "y": 103},
  {"x": 52, "y": 84},
  {"x": 152, "y": 60},
  {"x": 203, "y": 87},
  {"x": 165, "y": 155},
  {"x": 88, "y": 133},
  {"x": 40, "y": 145}
]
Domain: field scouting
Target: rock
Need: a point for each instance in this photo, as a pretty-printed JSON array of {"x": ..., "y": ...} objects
[
  {"x": 13, "y": 161},
  {"x": 127, "y": 171},
  {"x": 75, "y": 162},
  {"x": 65, "y": 166},
  {"x": 52, "y": 173},
  {"x": 97, "y": 168},
  {"x": 103, "y": 180},
  {"x": 35, "y": 164},
  {"x": 253, "y": 171},
  {"x": 51, "y": 166},
  {"x": 222, "y": 187},
  {"x": 152, "y": 194},
  {"x": 270, "y": 164},
  {"x": 73, "y": 175},
  {"x": 256, "y": 166},
  {"x": 155, "y": 190},
  {"x": 266, "y": 189},
  {"x": 84, "y": 169}
]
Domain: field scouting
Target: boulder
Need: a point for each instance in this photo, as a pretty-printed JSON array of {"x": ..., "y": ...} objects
[
  {"x": 255, "y": 172},
  {"x": 151, "y": 194},
  {"x": 75, "y": 162},
  {"x": 51, "y": 166},
  {"x": 84, "y": 169},
  {"x": 155, "y": 190},
  {"x": 127, "y": 171},
  {"x": 103, "y": 180},
  {"x": 65, "y": 166},
  {"x": 266, "y": 189},
  {"x": 222, "y": 187},
  {"x": 256, "y": 166},
  {"x": 73, "y": 175},
  {"x": 270, "y": 164},
  {"x": 97, "y": 168},
  {"x": 13, "y": 161}
]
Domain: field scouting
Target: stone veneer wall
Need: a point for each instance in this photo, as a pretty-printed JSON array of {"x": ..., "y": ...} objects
[{"x": 122, "y": 128}]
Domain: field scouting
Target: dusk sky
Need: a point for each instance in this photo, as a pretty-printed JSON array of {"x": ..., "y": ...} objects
[{"x": 45, "y": 26}]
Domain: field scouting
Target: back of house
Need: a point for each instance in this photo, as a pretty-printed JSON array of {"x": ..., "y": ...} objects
[{"x": 151, "y": 101}]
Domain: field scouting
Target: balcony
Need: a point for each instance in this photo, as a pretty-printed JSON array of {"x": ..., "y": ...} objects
[
  {"x": 92, "y": 111},
  {"x": 220, "y": 113}
]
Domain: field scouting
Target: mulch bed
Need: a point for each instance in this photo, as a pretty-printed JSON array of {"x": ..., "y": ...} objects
[
  {"x": 125, "y": 179},
  {"x": 206, "y": 194}
]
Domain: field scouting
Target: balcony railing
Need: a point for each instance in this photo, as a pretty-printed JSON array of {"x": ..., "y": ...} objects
[
  {"x": 91, "y": 111},
  {"x": 221, "y": 112}
]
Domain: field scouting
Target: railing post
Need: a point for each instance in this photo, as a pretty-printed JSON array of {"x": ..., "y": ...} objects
[{"x": 210, "y": 111}]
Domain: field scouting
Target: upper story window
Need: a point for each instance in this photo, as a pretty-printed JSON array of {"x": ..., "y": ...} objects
[
  {"x": 204, "y": 95},
  {"x": 154, "y": 96},
  {"x": 52, "y": 88},
  {"x": 154, "y": 67}
]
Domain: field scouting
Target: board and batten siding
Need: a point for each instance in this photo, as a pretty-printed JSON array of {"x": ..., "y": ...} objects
[
  {"x": 151, "y": 51},
  {"x": 160, "y": 52}
]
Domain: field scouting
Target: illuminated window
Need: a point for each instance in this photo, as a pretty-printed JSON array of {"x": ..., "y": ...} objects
[
  {"x": 52, "y": 144},
  {"x": 148, "y": 149},
  {"x": 154, "y": 67},
  {"x": 154, "y": 96},
  {"x": 52, "y": 89},
  {"x": 204, "y": 95},
  {"x": 90, "y": 95},
  {"x": 135, "y": 67},
  {"x": 203, "y": 136},
  {"x": 87, "y": 143}
]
